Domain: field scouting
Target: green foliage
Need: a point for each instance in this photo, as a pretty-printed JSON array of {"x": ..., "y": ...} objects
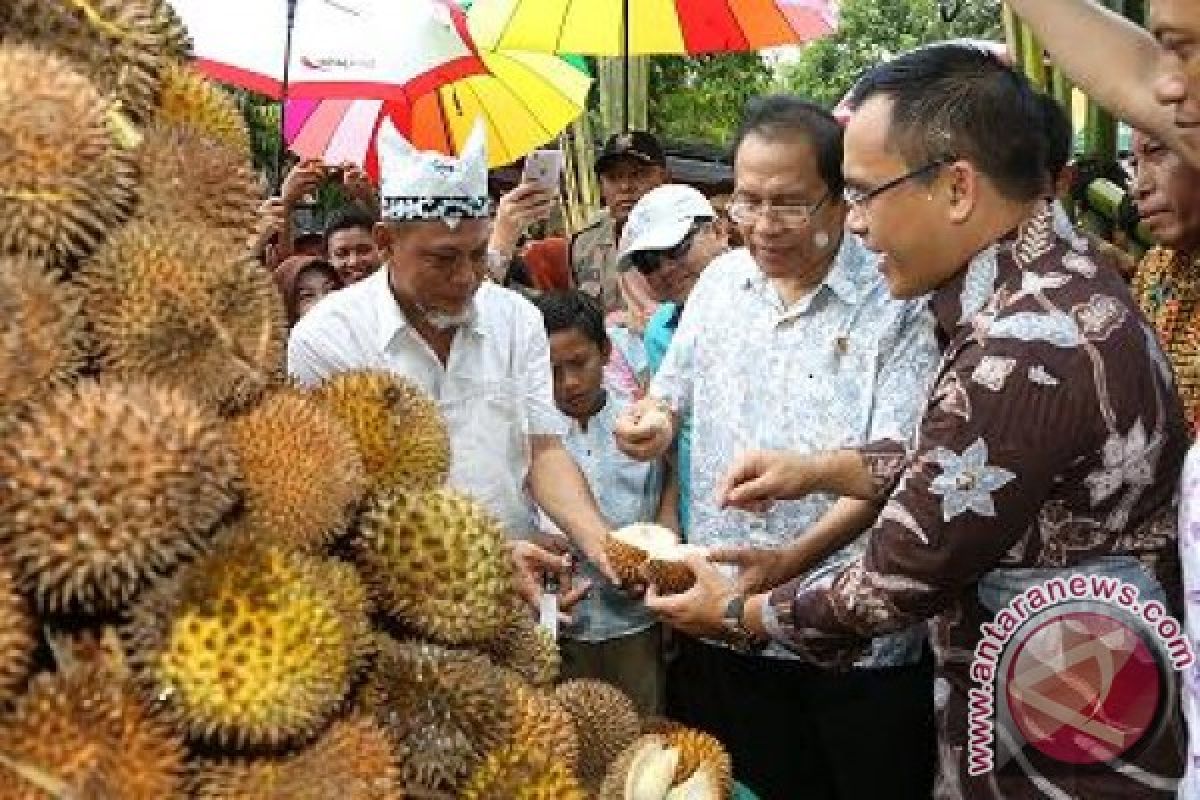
[
  {"x": 872, "y": 30},
  {"x": 700, "y": 98}
]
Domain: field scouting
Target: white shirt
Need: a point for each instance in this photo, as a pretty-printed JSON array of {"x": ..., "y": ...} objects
[
  {"x": 845, "y": 365},
  {"x": 495, "y": 390}
]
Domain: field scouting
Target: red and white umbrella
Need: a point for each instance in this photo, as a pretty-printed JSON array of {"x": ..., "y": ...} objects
[{"x": 381, "y": 49}]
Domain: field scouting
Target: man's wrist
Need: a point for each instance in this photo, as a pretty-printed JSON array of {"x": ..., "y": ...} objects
[{"x": 736, "y": 621}]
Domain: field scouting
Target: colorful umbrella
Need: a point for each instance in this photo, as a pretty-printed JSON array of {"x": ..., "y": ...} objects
[
  {"x": 644, "y": 27},
  {"x": 383, "y": 49},
  {"x": 525, "y": 99}
]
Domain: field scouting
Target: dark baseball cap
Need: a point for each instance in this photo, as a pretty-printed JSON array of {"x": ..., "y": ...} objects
[{"x": 639, "y": 145}]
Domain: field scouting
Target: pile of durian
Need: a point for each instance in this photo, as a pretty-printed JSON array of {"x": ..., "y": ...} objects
[{"x": 214, "y": 584}]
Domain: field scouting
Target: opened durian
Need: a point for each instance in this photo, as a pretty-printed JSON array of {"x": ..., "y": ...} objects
[
  {"x": 66, "y": 181},
  {"x": 645, "y": 770},
  {"x": 605, "y": 720},
  {"x": 668, "y": 571},
  {"x": 122, "y": 45},
  {"x": 16, "y": 637},
  {"x": 628, "y": 548},
  {"x": 300, "y": 470},
  {"x": 252, "y": 645},
  {"x": 41, "y": 333},
  {"x": 541, "y": 723},
  {"x": 699, "y": 751},
  {"x": 525, "y": 647},
  {"x": 190, "y": 100},
  {"x": 437, "y": 562},
  {"x": 186, "y": 307},
  {"x": 187, "y": 176},
  {"x": 444, "y": 708},
  {"x": 84, "y": 734},
  {"x": 353, "y": 760},
  {"x": 400, "y": 432},
  {"x": 515, "y": 772},
  {"x": 704, "y": 784},
  {"x": 108, "y": 485}
]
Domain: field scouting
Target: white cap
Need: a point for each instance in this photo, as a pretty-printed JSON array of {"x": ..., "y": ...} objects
[
  {"x": 661, "y": 219},
  {"x": 427, "y": 185}
]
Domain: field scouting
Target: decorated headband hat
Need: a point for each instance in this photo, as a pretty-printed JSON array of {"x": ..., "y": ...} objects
[{"x": 418, "y": 185}]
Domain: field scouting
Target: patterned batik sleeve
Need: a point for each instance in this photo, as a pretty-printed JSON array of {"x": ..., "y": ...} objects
[{"x": 986, "y": 457}]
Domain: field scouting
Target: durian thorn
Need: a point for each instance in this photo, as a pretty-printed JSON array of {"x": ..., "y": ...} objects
[
  {"x": 32, "y": 194},
  {"x": 98, "y": 21},
  {"x": 121, "y": 128},
  {"x": 51, "y": 785}
]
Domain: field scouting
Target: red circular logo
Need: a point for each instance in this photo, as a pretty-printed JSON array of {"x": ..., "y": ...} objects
[{"x": 1083, "y": 687}]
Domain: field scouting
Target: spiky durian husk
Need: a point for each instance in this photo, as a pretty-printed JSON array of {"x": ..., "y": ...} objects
[
  {"x": 16, "y": 636},
  {"x": 41, "y": 333},
  {"x": 188, "y": 308},
  {"x": 667, "y": 576},
  {"x": 300, "y": 470},
  {"x": 698, "y": 749},
  {"x": 399, "y": 430},
  {"x": 84, "y": 734},
  {"x": 437, "y": 562},
  {"x": 524, "y": 647},
  {"x": 606, "y": 721},
  {"x": 190, "y": 100},
  {"x": 659, "y": 725},
  {"x": 177, "y": 42},
  {"x": 353, "y": 760},
  {"x": 541, "y": 723},
  {"x": 66, "y": 182},
  {"x": 108, "y": 485},
  {"x": 521, "y": 773},
  {"x": 252, "y": 645},
  {"x": 122, "y": 45},
  {"x": 187, "y": 176},
  {"x": 444, "y": 708}
]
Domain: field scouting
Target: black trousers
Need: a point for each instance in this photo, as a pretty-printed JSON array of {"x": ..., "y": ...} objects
[{"x": 798, "y": 731}]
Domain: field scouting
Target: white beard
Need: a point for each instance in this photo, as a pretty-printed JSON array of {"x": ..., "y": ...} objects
[{"x": 445, "y": 322}]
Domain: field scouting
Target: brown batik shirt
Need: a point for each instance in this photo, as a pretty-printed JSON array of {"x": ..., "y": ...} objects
[{"x": 1052, "y": 443}]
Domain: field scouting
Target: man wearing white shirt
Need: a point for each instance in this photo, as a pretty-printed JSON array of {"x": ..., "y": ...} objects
[{"x": 480, "y": 351}]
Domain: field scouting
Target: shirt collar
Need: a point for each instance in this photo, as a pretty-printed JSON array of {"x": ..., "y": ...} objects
[
  {"x": 848, "y": 278},
  {"x": 390, "y": 320}
]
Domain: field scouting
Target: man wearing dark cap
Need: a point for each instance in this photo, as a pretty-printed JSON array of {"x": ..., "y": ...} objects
[{"x": 630, "y": 165}]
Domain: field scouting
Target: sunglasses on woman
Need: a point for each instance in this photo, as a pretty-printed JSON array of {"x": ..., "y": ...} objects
[{"x": 648, "y": 262}]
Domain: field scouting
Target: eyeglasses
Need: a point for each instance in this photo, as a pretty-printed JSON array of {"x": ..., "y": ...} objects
[
  {"x": 747, "y": 212},
  {"x": 648, "y": 262},
  {"x": 858, "y": 198}
]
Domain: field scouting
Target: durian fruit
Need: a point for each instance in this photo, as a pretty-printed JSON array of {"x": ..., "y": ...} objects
[
  {"x": 605, "y": 720},
  {"x": 628, "y": 548},
  {"x": 251, "y": 645},
  {"x": 525, "y": 647},
  {"x": 645, "y": 770},
  {"x": 301, "y": 472},
  {"x": 540, "y": 721},
  {"x": 186, "y": 307},
  {"x": 188, "y": 176},
  {"x": 66, "y": 182},
  {"x": 353, "y": 760},
  {"x": 107, "y": 485},
  {"x": 41, "y": 333},
  {"x": 659, "y": 725},
  {"x": 515, "y": 772},
  {"x": 444, "y": 708},
  {"x": 123, "y": 45},
  {"x": 699, "y": 750},
  {"x": 84, "y": 734},
  {"x": 177, "y": 42},
  {"x": 190, "y": 100},
  {"x": 400, "y": 432},
  {"x": 16, "y": 637},
  {"x": 668, "y": 571},
  {"x": 437, "y": 562},
  {"x": 704, "y": 784}
]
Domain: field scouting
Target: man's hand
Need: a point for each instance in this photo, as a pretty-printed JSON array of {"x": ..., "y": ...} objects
[
  {"x": 357, "y": 186},
  {"x": 760, "y": 477},
  {"x": 268, "y": 227},
  {"x": 303, "y": 179},
  {"x": 645, "y": 429},
  {"x": 700, "y": 610},
  {"x": 759, "y": 569},
  {"x": 533, "y": 563},
  {"x": 517, "y": 210}
]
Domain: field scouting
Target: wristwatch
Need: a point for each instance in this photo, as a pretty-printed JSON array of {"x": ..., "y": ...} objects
[{"x": 740, "y": 638}]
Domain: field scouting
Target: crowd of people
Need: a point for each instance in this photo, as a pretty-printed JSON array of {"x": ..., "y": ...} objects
[{"x": 902, "y": 389}]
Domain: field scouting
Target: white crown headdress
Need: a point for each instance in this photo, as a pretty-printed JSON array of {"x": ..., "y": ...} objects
[{"x": 416, "y": 185}]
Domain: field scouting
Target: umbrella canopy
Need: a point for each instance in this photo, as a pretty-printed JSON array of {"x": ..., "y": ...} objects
[
  {"x": 598, "y": 27},
  {"x": 525, "y": 99},
  {"x": 384, "y": 49}
]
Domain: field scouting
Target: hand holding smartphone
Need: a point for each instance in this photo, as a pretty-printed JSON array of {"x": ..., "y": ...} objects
[{"x": 543, "y": 168}]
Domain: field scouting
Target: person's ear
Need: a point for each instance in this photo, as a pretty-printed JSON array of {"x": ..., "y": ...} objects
[
  {"x": 383, "y": 235},
  {"x": 961, "y": 185},
  {"x": 606, "y": 349}
]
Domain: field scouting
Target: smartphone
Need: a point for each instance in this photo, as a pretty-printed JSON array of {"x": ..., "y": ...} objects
[{"x": 543, "y": 168}]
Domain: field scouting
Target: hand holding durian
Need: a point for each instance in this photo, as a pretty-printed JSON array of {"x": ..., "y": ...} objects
[{"x": 645, "y": 429}]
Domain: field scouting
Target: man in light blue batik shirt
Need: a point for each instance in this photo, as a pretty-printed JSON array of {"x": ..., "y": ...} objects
[{"x": 795, "y": 339}]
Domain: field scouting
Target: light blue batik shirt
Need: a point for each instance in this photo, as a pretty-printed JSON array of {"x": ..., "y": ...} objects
[{"x": 845, "y": 365}]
